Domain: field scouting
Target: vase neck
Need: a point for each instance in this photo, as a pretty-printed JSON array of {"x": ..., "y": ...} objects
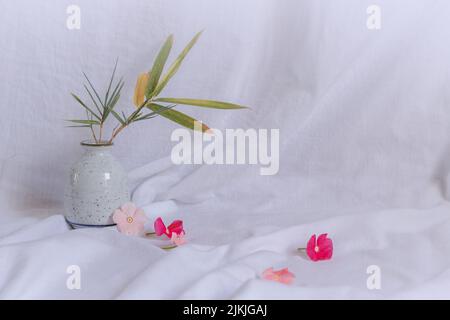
[{"x": 93, "y": 147}]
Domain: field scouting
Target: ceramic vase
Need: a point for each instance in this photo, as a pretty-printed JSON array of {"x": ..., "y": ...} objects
[{"x": 97, "y": 186}]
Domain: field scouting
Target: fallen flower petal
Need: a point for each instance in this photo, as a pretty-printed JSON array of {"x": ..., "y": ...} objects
[
  {"x": 178, "y": 239},
  {"x": 176, "y": 226},
  {"x": 160, "y": 227},
  {"x": 282, "y": 276}
]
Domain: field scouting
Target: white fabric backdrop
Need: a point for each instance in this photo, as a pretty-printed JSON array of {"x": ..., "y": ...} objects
[{"x": 363, "y": 118}]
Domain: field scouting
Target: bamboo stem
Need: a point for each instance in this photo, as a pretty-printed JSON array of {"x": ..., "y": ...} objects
[
  {"x": 116, "y": 132},
  {"x": 129, "y": 120},
  {"x": 100, "y": 134},
  {"x": 93, "y": 134}
]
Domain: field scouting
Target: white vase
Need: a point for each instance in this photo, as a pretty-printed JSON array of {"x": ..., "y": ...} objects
[{"x": 97, "y": 186}]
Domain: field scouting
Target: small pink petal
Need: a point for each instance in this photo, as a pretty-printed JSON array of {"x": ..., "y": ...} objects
[
  {"x": 286, "y": 276},
  {"x": 128, "y": 208},
  {"x": 268, "y": 274},
  {"x": 178, "y": 239},
  {"x": 140, "y": 216},
  {"x": 119, "y": 217},
  {"x": 136, "y": 229}
]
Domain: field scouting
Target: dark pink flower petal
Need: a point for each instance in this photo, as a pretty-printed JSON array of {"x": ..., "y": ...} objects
[
  {"x": 326, "y": 247},
  {"x": 176, "y": 226},
  {"x": 310, "y": 248},
  {"x": 160, "y": 227}
]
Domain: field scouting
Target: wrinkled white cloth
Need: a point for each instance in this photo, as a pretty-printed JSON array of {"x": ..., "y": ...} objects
[
  {"x": 364, "y": 148},
  {"x": 408, "y": 246}
]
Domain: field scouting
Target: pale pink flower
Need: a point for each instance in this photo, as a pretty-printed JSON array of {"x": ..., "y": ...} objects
[{"x": 130, "y": 220}]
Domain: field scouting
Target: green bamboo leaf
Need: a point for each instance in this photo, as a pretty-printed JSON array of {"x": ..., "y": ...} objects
[
  {"x": 176, "y": 116},
  {"x": 153, "y": 114},
  {"x": 81, "y": 126},
  {"x": 93, "y": 89},
  {"x": 176, "y": 65},
  {"x": 117, "y": 116},
  {"x": 116, "y": 90},
  {"x": 110, "y": 82},
  {"x": 93, "y": 100},
  {"x": 202, "y": 103},
  {"x": 87, "y": 122},
  {"x": 158, "y": 66},
  {"x": 85, "y": 106},
  {"x": 110, "y": 107},
  {"x": 161, "y": 109},
  {"x": 134, "y": 116},
  {"x": 145, "y": 117}
]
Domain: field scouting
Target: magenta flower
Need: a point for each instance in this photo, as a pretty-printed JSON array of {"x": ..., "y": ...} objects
[
  {"x": 322, "y": 249},
  {"x": 130, "y": 220},
  {"x": 174, "y": 227},
  {"x": 282, "y": 276}
]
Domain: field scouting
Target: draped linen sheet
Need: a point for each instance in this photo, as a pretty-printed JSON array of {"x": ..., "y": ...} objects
[{"x": 364, "y": 148}]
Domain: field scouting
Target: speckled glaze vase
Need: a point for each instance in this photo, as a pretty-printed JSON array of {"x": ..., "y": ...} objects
[{"x": 97, "y": 186}]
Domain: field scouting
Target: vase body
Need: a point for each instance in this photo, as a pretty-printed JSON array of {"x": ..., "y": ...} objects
[{"x": 97, "y": 186}]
